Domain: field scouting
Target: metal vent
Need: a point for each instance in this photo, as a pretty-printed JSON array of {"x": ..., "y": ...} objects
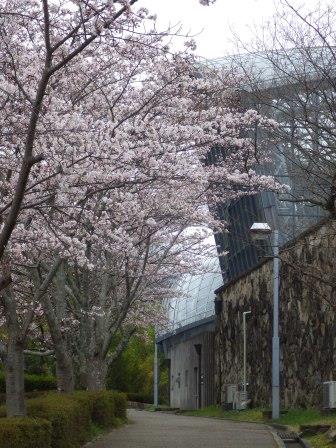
[
  {"x": 231, "y": 392},
  {"x": 329, "y": 395}
]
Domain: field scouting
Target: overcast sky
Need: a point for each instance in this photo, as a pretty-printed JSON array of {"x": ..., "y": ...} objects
[{"x": 216, "y": 20}]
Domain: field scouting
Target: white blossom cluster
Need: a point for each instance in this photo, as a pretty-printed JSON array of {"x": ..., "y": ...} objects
[{"x": 122, "y": 137}]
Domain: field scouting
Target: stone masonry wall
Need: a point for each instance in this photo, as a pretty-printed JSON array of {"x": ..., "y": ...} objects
[{"x": 307, "y": 323}]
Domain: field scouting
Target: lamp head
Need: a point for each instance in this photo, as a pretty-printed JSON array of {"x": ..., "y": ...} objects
[{"x": 260, "y": 231}]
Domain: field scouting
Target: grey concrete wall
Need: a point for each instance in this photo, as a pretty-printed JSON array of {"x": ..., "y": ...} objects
[
  {"x": 307, "y": 323},
  {"x": 191, "y": 370}
]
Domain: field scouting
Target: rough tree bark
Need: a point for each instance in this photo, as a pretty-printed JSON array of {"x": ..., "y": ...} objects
[
  {"x": 97, "y": 365},
  {"x": 13, "y": 352},
  {"x": 64, "y": 371},
  {"x": 96, "y": 373},
  {"x": 14, "y": 372},
  {"x": 17, "y": 331},
  {"x": 64, "y": 364}
]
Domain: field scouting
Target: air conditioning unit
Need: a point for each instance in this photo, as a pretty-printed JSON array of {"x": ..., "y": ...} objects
[
  {"x": 235, "y": 398},
  {"x": 231, "y": 391},
  {"x": 329, "y": 395}
]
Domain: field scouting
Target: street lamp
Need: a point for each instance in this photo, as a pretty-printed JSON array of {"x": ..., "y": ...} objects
[
  {"x": 156, "y": 374},
  {"x": 261, "y": 231}
]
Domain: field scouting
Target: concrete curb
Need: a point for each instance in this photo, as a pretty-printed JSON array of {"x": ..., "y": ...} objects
[
  {"x": 274, "y": 426},
  {"x": 304, "y": 443},
  {"x": 281, "y": 444},
  {"x": 277, "y": 440}
]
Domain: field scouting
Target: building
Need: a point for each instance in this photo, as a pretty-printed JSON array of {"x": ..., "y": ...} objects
[
  {"x": 307, "y": 323},
  {"x": 189, "y": 344},
  {"x": 273, "y": 88},
  {"x": 298, "y": 92}
]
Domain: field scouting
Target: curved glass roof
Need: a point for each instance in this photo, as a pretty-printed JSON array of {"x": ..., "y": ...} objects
[
  {"x": 278, "y": 67},
  {"x": 196, "y": 294},
  {"x": 195, "y": 300}
]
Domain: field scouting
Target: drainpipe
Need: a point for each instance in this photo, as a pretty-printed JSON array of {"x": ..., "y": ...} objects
[
  {"x": 244, "y": 331},
  {"x": 156, "y": 376}
]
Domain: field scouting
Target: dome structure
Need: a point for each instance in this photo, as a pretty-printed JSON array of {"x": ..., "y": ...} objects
[{"x": 195, "y": 300}]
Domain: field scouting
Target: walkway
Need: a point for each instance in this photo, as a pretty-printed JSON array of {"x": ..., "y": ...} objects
[{"x": 160, "y": 430}]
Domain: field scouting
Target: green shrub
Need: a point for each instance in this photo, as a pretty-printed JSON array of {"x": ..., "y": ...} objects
[
  {"x": 25, "y": 433},
  {"x": 32, "y": 383},
  {"x": 35, "y": 394},
  {"x": 70, "y": 420},
  {"x": 105, "y": 407},
  {"x": 139, "y": 397},
  {"x": 109, "y": 408},
  {"x": 39, "y": 383},
  {"x": 73, "y": 416},
  {"x": 120, "y": 400}
]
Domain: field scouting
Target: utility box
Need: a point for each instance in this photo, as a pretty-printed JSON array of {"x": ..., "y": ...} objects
[
  {"x": 329, "y": 395},
  {"x": 235, "y": 398},
  {"x": 231, "y": 392}
]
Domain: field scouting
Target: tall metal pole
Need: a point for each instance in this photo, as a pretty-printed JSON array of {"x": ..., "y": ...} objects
[
  {"x": 275, "y": 341},
  {"x": 156, "y": 376},
  {"x": 244, "y": 331}
]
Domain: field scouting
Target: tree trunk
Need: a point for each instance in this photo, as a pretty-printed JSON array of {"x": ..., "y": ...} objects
[
  {"x": 14, "y": 370},
  {"x": 96, "y": 373},
  {"x": 64, "y": 364},
  {"x": 64, "y": 372}
]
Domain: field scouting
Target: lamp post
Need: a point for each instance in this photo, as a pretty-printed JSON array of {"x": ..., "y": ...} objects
[
  {"x": 244, "y": 331},
  {"x": 260, "y": 231},
  {"x": 156, "y": 375}
]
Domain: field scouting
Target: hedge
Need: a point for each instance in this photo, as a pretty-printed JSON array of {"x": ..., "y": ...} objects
[
  {"x": 70, "y": 420},
  {"x": 25, "y": 433},
  {"x": 139, "y": 397},
  {"x": 32, "y": 383},
  {"x": 120, "y": 400},
  {"x": 71, "y": 416},
  {"x": 107, "y": 408},
  {"x": 33, "y": 394}
]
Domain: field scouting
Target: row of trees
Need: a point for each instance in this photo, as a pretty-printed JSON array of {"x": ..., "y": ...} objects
[{"x": 104, "y": 196}]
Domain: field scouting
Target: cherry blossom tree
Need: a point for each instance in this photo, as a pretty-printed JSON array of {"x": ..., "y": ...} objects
[
  {"x": 119, "y": 298},
  {"x": 39, "y": 42},
  {"x": 19, "y": 305},
  {"x": 104, "y": 139}
]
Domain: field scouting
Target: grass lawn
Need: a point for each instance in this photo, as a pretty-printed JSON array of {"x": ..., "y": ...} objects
[
  {"x": 293, "y": 418},
  {"x": 319, "y": 441},
  {"x": 252, "y": 415}
]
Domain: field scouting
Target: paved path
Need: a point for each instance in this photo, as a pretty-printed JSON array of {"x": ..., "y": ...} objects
[{"x": 160, "y": 430}]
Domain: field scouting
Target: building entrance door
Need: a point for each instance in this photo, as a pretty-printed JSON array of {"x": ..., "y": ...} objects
[
  {"x": 198, "y": 376},
  {"x": 196, "y": 387}
]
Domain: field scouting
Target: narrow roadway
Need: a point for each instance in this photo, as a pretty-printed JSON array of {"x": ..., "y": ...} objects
[{"x": 160, "y": 430}]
